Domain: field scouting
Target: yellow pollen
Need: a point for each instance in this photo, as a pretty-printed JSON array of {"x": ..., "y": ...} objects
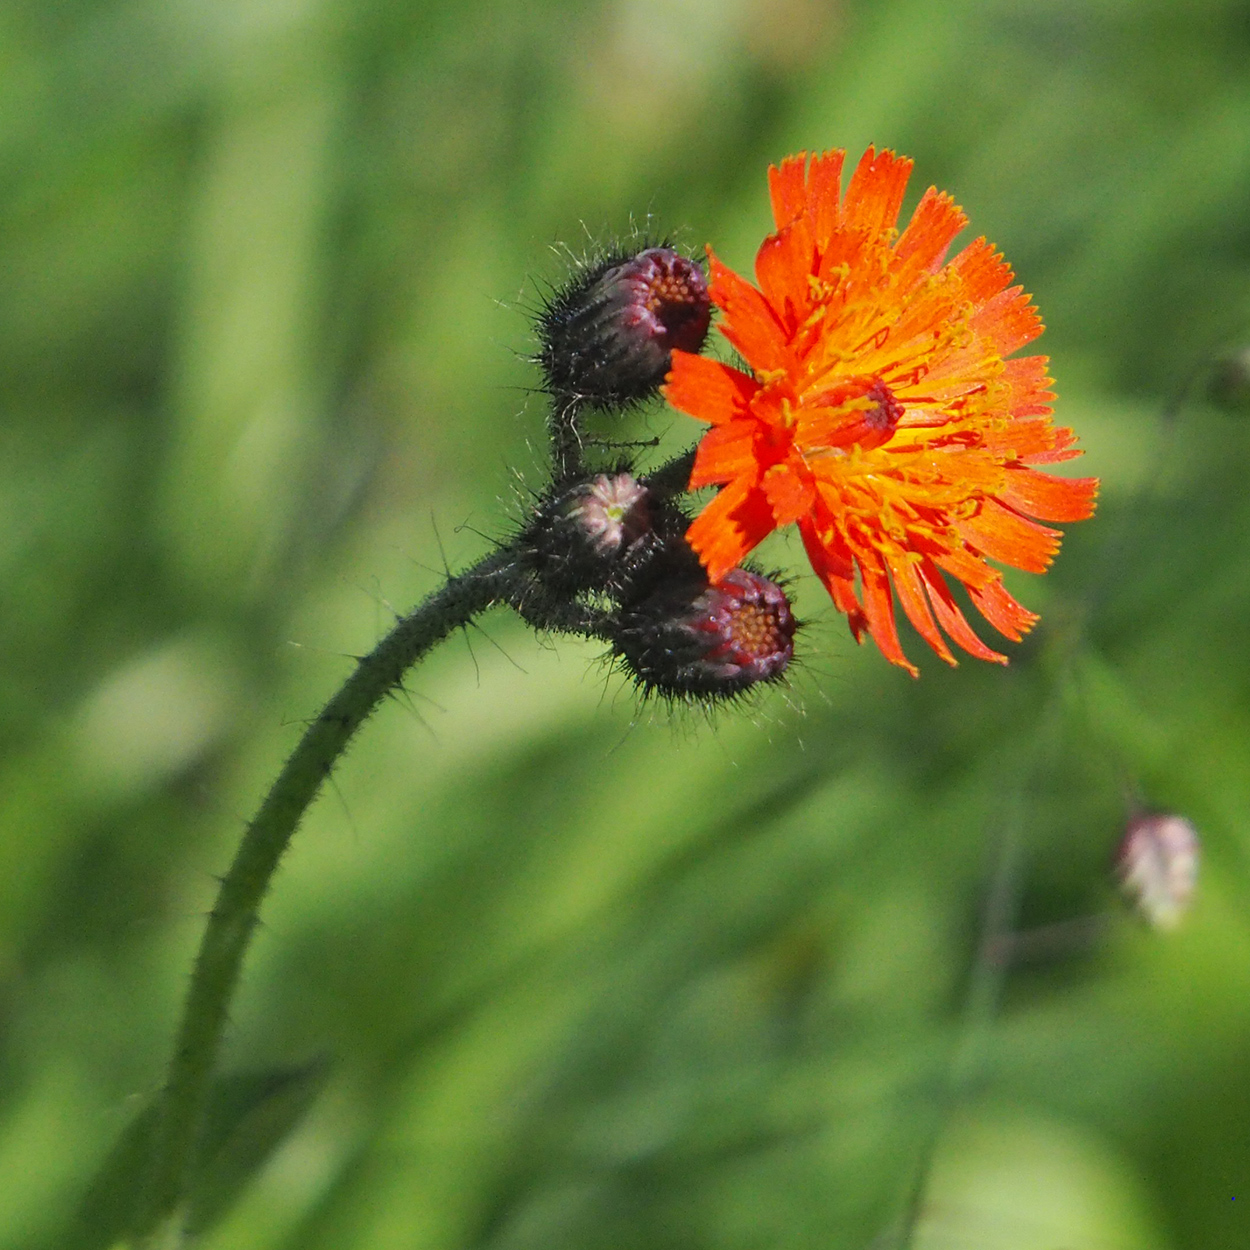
[{"x": 754, "y": 629}]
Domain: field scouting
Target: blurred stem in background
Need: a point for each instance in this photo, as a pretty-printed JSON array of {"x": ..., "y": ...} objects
[{"x": 1000, "y": 943}]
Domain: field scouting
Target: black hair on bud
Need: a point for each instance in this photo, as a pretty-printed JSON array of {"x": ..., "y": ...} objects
[
  {"x": 691, "y": 640},
  {"x": 607, "y": 337}
]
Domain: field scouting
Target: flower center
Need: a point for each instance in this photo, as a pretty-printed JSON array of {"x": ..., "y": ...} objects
[
  {"x": 749, "y": 624},
  {"x": 862, "y": 412},
  {"x": 673, "y": 291},
  {"x": 611, "y": 512},
  {"x": 886, "y": 411},
  {"x": 757, "y": 631}
]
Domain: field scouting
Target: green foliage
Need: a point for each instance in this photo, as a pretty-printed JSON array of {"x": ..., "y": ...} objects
[
  {"x": 249, "y": 1114},
  {"x": 589, "y": 978}
]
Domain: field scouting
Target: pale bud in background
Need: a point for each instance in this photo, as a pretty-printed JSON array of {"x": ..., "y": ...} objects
[{"x": 1157, "y": 864}]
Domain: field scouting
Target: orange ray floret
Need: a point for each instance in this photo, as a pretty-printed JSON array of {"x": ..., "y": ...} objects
[{"x": 880, "y": 414}]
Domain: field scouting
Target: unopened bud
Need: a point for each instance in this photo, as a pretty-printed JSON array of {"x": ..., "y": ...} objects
[
  {"x": 612, "y": 512},
  {"x": 607, "y": 338},
  {"x": 691, "y": 639},
  {"x": 594, "y": 534},
  {"x": 1157, "y": 864}
]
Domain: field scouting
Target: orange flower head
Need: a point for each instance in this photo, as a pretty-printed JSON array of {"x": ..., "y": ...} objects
[{"x": 881, "y": 414}]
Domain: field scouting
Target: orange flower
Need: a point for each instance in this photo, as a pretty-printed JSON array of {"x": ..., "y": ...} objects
[{"x": 881, "y": 413}]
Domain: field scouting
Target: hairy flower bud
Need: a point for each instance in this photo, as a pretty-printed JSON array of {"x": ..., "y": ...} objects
[
  {"x": 1157, "y": 864},
  {"x": 593, "y": 534},
  {"x": 692, "y": 639},
  {"x": 611, "y": 511},
  {"x": 607, "y": 337}
]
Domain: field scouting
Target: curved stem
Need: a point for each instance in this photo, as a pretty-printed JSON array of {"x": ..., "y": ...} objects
[{"x": 233, "y": 918}]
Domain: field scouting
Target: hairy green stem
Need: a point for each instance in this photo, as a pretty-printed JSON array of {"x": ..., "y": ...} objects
[
  {"x": 563, "y": 426},
  {"x": 497, "y": 578}
]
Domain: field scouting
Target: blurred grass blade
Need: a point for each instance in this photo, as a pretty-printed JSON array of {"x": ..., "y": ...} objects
[{"x": 249, "y": 1115}]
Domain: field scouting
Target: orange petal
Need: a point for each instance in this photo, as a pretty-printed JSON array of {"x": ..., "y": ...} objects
[
  {"x": 879, "y": 610},
  {"x": 911, "y": 595},
  {"x": 1030, "y": 385},
  {"x": 783, "y": 267},
  {"x": 1003, "y": 535},
  {"x": 952, "y": 619},
  {"x": 1061, "y": 447},
  {"x": 790, "y": 492},
  {"x": 786, "y": 189},
  {"x": 733, "y": 524},
  {"x": 749, "y": 323},
  {"x": 1001, "y": 609},
  {"x": 727, "y": 452},
  {"x": 824, "y": 205},
  {"x": 833, "y": 565},
  {"x": 1049, "y": 498},
  {"x": 933, "y": 226},
  {"x": 964, "y": 566},
  {"x": 826, "y": 547},
  {"x": 1031, "y": 440},
  {"x": 962, "y": 473},
  {"x": 707, "y": 389},
  {"x": 983, "y": 271},
  {"x": 1008, "y": 321},
  {"x": 875, "y": 194}
]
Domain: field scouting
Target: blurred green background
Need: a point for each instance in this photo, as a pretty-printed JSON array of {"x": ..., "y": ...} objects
[{"x": 575, "y": 973}]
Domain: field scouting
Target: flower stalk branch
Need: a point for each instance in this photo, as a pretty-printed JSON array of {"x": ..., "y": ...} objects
[{"x": 602, "y": 556}]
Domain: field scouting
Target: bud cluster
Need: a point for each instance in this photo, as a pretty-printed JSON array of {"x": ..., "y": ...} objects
[{"x": 606, "y": 548}]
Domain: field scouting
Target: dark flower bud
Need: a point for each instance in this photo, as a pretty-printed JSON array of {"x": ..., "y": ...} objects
[
  {"x": 607, "y": 337},
  {"x": 691, "y": 639},
  {"x": 1157, "y": 864}
]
